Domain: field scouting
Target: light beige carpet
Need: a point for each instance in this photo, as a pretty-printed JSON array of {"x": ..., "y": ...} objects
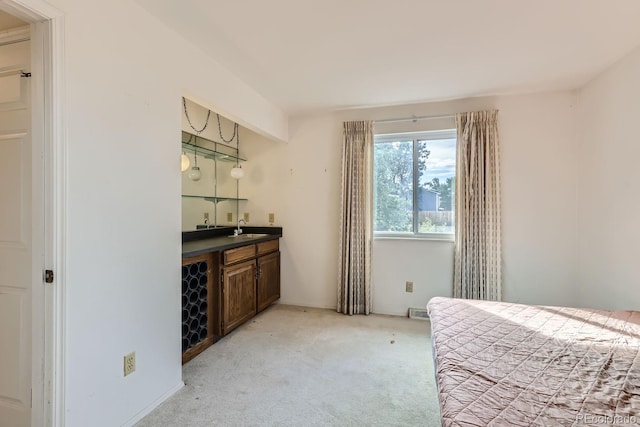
[{"x": 294, "y": 366}]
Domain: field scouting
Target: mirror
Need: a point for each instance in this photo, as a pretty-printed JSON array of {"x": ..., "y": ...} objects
[{"x": 210, "y": 195}]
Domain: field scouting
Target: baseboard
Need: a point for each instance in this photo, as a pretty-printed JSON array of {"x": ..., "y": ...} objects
[
  {"x": 146, "y": 411},
  {"x": 304, "y": 304}
]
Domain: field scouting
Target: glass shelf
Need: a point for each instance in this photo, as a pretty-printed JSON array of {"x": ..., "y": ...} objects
[
  {"x": 209, "y": 149},
  {"x": 214, "y": 199}
]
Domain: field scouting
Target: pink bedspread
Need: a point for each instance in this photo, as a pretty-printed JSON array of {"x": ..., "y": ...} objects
[{"x": 508, "y": 364}]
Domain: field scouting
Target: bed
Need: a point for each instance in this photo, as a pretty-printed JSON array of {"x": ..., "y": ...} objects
[{"x": 520, "y": 365}]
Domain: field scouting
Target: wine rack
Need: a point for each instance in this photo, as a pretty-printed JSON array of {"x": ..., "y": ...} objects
[{"x": 196, "y": 304}]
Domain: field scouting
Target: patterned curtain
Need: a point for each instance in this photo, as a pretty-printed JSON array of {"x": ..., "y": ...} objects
[
  {"x": 356, "y": 228},
  {"x": 478, "y": 268}
]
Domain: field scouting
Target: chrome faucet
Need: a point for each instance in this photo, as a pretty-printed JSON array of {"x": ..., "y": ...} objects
[{"x": 238, "y": 231}]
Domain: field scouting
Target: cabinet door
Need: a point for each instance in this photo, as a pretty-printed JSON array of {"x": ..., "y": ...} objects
[
  {"x": 239, "y": 294},
  {"x": 268, "y": 280}
]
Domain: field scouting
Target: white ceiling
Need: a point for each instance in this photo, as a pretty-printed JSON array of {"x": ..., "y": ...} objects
[{"x": 310, "y": 55}]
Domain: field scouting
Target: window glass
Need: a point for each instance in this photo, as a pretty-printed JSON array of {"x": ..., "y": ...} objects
[
  {"x": 393, "y": 189},
  {"x": 425, "y": 161},
  {"x": 437, "y": 185}
]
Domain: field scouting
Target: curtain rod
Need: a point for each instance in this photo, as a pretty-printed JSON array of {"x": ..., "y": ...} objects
[{"x": 415, "y": 118}]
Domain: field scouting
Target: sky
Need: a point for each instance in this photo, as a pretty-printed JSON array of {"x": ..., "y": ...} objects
[{"x": 441, "y": 162}]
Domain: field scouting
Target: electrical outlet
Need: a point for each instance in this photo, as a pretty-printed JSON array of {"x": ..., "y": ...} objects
[
  {"x": 246, "y": 217},
  {"x": 206, "y": 216},
  {"x": 229, "y": 217},
  {"x": 129, "y": 363},
  {"x": 272, "y": 218},
  {"x": 408, "y": 287}
]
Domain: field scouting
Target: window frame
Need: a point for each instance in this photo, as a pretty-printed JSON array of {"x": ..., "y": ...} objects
[{"x": 415, "y": 138}]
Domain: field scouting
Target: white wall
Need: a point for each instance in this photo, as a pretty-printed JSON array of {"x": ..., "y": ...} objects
[
  {"x": 539, "y": 200},
  {"x": 125, "y": 75},
  {"x": 608, "y": 208},
  {"x": 311, "y": 215},
  {"x": 428, "y": 264},
  {"x": 539, "y": 189}
]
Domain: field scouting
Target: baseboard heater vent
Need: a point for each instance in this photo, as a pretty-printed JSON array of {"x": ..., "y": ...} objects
[{"x": 418, "y": 313}]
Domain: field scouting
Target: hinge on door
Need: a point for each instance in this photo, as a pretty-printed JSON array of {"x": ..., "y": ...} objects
[
  {"x": 48, "y": 276},
  {"x": 25, "y": 74}
]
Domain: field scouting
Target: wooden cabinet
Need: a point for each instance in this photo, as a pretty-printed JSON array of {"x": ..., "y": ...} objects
[
  {"x": 250, "y": 282},
  {"x": 221, "y": 290},
  {"x": 231, "y": 256},
  {"x": 268, "y": 286},
  {"x": 266, "y": 247},
  {"x": 238, "y": 294}
]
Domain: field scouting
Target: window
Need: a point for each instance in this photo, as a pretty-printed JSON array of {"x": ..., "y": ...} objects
[{"x": 426, "y": 162}]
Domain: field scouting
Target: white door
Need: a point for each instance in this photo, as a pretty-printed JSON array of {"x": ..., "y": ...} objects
[{"x": 15, "y": 235}]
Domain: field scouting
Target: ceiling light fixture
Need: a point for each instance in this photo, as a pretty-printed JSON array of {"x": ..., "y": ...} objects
[
  {"x": 184, "y": 162},
  {"x": 194, "y": 173},
  {"x": 206, "y": 123},
  {"x": 236, "y": 172}
]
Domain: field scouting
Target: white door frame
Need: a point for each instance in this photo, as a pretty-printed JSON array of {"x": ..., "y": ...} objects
[{"x": 49, "y": 124}]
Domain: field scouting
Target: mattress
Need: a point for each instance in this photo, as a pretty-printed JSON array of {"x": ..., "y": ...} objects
[{"x": 520, "y": 365}]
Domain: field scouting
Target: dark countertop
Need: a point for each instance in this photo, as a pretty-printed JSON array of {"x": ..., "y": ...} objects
[{"x": 212, "y": 240}]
